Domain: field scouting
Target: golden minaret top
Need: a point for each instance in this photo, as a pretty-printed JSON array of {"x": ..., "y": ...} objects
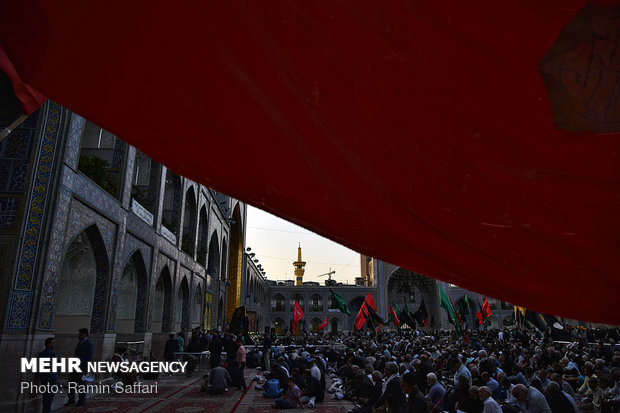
[{"x": 299, "y": 267}]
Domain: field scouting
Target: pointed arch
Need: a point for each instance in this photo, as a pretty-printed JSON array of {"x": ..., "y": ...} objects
[
  {"x": 278, "y": 302},
  {"x": 355, "y": 304},
  {"x": 172, "y": 202},
  {"x": 162, "y": 302},
  {"x": 316, "y": 303},
  {"x": 131, "y": 307},
  {"x": 182, "y": 306},
  {"x": 300, "y": 300},
  {"x": 213, "y": 262},
  {"x": 188, "y": 239},
  {"x": 335, "y": 324},
  {"x": 83, "y": 288},
  {"x": 203, "y": 237},
  {"x": 197, "y": 309},
  {"x": 314, "y": 324}
]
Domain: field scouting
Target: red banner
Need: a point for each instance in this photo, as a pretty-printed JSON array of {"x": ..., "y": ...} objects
[
  {"x": 298, "y": 314},
  {"x": 486, "y": 308},
  {"x": 394, "y": 316},
  {"x": 324, "y": 323},
  {"x": 361, "y": 318}
]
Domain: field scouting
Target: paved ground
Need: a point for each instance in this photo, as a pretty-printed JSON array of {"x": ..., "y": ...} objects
[{"x": 182, "y": 394}]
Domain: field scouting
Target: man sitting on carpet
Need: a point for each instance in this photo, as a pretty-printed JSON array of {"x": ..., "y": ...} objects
[
  {"x": 292, "y": 397},
  {"x": 218, "y": 381}
]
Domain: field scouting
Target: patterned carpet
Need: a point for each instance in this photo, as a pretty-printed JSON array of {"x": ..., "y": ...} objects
[{"x": 182, "y": 394}]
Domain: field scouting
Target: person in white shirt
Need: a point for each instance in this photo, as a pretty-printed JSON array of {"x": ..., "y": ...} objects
[{"x": 490, "y": 405}]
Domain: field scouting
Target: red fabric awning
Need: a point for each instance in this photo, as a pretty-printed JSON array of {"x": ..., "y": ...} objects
[{"x": 418, "y": 132}]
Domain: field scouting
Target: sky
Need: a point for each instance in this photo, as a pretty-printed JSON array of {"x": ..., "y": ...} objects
[{"x": 275, "y": 242}]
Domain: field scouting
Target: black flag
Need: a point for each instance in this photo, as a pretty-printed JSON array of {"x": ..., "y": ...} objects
[
  {"x": 421, "y": 314},
  {"x": 375, "y": 317}
]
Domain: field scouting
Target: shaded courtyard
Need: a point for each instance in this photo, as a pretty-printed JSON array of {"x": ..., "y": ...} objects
[{"x": 182, "y": 394}]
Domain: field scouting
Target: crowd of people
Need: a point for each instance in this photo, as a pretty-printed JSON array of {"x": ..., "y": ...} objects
[{"x": 432, "y": 371}]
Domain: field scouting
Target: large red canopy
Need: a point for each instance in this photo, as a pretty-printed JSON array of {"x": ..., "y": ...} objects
[{"x": 419, "y": 132}]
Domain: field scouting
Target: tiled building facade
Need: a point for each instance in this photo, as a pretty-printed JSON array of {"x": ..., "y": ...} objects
[{"x": 95, "y": 234}]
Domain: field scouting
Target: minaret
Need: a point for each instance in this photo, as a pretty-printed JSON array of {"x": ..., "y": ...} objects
[{"x": 299, "y": 267}]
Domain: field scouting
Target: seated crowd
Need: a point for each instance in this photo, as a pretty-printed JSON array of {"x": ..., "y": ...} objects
[{"x": 434, "y": 371}]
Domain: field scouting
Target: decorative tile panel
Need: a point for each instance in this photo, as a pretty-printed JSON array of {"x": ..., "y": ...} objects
[
  {"x": 17, "y": 144},
  {"x": 117, "y": 271},
  {"x": 8, "y": 210},
  {"x": 54, "y": 256},
  {"x": 166, "y": 233},
  {"x": 38, "y": 198},
  {"x": 82, "y": 216},
  {"x": 19, "y": 309},
  {"x": 132, "y": 244},
  {"x": 71, "y": 218},
  {"x": 141, "y": 212},
  {"x": 18, "y": 177},
  {"x": 74, "y": 140},
  {"x": 15, "y": 152}
]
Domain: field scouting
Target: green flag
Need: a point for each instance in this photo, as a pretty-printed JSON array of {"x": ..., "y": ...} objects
[
  {"x": 461, "y": 307},
  {"x": 342, "y": 305},
  {"x": 406, "y": 310},
  {"x": 466, "y": 299},
  {"x": 396, "y": 309},
  {"x": 446, "y": 304}
]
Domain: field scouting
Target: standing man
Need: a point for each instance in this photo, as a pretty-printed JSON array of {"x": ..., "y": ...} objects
[
  {"x": 48, "y": 378},
  {"x": 267, "y": 352},
  {"x": 241, "y": 354},
  {"x": 181, "y": 339},
  {"x": 215, "y": 350},
  {"x": 83, "y": 351},
  {"x": 172, "y": 346}
]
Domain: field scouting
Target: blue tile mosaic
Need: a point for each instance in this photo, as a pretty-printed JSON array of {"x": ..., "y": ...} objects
[
  {"x": 38, "y": 198},
  {"x": 17, "y": 144},
  {"x": 131, "y": 245},
  {"x": 15, "y": 152},
  {"x": 74, "y": 139},
  {"x": 116, "y": 281},
  {"x": 73, "y": 217},
  {"x": 97, "y": 320},
  {"x": 54, "y": 256},
  {"x": 8, "y": 210},
  {"x": 18, "y": 177},
  {"x": 19, "y": 309}
]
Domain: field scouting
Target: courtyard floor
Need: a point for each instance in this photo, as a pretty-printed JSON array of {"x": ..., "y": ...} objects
[{"x": 182, "y": 394}]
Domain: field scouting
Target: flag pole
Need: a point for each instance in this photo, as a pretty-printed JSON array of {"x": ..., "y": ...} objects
[{"x": 372, "y": 323}]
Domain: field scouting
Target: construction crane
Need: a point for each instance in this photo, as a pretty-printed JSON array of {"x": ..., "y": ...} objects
[{"x": 329, "y": 277}]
